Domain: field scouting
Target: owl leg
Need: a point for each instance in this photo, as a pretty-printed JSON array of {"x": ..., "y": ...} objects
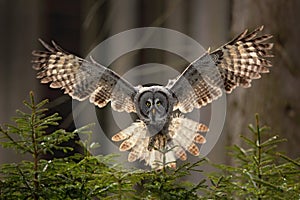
[{"x": 158, "y": 141}]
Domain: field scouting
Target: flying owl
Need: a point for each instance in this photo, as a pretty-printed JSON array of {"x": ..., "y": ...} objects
[{"x": 162, "y": 134}]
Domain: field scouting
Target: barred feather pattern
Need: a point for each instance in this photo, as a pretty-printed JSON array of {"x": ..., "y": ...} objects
[
  {"x": 182, "y": 136},
  {"x": 234, "y": 64},
  {"x": 83, "y": 79}
]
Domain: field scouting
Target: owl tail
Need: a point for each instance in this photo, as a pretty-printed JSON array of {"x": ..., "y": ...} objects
[{"x": 182, "y": 136}]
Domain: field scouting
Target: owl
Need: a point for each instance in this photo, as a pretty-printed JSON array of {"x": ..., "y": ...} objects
[{"x": 162, "y": 134}]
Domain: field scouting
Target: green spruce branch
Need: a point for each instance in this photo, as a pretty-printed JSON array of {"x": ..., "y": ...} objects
[{"x": 259, "y": 171}]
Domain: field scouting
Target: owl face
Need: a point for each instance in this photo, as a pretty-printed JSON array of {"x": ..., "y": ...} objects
[{"x": 154, "y": 104}]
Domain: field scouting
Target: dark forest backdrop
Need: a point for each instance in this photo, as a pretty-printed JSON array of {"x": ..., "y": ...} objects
[{"x": 79, "y": 25}]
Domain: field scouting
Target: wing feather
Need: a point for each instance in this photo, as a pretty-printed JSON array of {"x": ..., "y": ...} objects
[
  {"x": 83, "y": 79},
  {"x": 234, "y": 64}
]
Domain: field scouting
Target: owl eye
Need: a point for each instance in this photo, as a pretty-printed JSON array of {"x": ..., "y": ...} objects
[
  {"x": 148, "y": 104},
  {"x": 158, "y": 103}
]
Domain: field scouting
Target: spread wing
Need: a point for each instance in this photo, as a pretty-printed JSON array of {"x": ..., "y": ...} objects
[
  {"x": 234, "y": 64},
  {"x": 83, "y": 79}
]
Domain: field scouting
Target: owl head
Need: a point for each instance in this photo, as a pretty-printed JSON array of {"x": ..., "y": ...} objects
[{"x": 154, "y": 105}]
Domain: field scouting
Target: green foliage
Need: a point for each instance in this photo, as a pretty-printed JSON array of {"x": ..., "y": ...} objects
[
  {"x": 259, "y": 172},
  {"x": 78, "y": 176}
]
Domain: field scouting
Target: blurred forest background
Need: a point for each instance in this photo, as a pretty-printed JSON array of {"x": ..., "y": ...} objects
[{"x": 79, "y": 25}]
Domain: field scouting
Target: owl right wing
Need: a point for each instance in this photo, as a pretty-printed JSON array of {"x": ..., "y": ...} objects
[
  {"x": 83, "y": 79},
  {"x": 234, "y": 64}
]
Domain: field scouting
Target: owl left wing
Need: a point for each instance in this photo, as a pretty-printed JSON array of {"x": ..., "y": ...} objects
[
  {"x": 234, "y": 64},
  {"x": 83, "y": 79}
]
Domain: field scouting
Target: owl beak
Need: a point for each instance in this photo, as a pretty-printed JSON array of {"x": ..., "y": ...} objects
[
  {"x": 153, "y": 111},
  {"x": 153, "y": 114}
]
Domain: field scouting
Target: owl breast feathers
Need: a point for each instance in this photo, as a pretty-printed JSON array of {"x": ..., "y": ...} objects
[{"x": 159, "y": 136}]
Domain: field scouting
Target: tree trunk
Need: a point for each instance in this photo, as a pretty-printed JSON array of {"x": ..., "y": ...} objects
[
  {"x": 276, "y": 95},
  {"x": 18, "y": 37}
]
